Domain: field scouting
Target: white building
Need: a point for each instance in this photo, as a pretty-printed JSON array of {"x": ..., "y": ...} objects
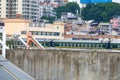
[
  {"x": 2, "y": 8},
  {"x": 61, "y": 2},
  {"x": 27, "y": 9},
  {"x": 52, "y": 0},
  {"x": 46, "y": 8}
]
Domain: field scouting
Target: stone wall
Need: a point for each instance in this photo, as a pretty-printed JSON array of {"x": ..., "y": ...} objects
[{"x": 68, "y": 64}]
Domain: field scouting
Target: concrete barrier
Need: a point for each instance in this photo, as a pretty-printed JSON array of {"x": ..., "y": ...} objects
[{"x": 63, "y": 64}]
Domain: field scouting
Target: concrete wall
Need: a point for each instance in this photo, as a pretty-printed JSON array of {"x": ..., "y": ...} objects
[{"x": 68, "y": 64}]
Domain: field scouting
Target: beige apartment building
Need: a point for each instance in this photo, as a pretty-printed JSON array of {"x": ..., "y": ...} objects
[
  {"x": 41, "y": 31},
  {"x": 2, "y": 8},
  {"x": 26, "y": 9}
]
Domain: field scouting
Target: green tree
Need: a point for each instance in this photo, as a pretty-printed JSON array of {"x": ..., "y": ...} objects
[
  {"x": 49, "y": 18},
  {"x": 72, "y": 7},
  {"x": 100, "y": 11},
  {"x": 60, "y": 9}
]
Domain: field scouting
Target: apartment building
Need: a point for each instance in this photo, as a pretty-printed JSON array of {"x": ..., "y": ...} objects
[
  {"x": 27, "y": 9},
  {"x": 2, "y": 8},
  {"x": 46, "y": 9},
  {"x": 53, "y": 0},
  {"x": 115, "y": 22}
]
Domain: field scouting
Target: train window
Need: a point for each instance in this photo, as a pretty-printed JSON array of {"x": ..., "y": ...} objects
[
  {"x": 70, "y": 44},
  {"x": 93, "y": 45},
  {"x": 74, "y": 45},
  {"x": 67, "y": 44},
  {"x": 60, "y": 44},
  {"x": 97, "y": 45},
  {"x": 63, "y": 44},
  {"x": 101, "y": 45},
  {"x": 85, "y": 45},
  {"x": 82, "y": 45},
  {"x": 89, "y": 45},
  {"x": 78, "y": 45},
  {"x": 118, "y": 46}
]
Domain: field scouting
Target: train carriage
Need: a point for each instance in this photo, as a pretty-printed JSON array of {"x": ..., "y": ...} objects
[{"x": 90, "y": 44}]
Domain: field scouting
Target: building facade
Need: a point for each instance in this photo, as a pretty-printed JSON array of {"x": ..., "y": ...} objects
[
  {"x": 22, "y": 27},
  {"x": 53, "y": 1},
  {"x": 27, "y": 9},
  {"x": 115, "y": 22},
  {"x": 105, "y": 28},
  {"x": 47, "y": 9},
  {"x": 2, "y": 8}
]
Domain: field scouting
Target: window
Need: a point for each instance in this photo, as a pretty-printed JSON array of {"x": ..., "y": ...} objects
[
  {"x": 56, "y": 34},
  {"x": 23, "y": 32}
]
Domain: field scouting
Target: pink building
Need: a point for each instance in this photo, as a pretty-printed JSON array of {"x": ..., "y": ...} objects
[{"x": 115, "y": 22}]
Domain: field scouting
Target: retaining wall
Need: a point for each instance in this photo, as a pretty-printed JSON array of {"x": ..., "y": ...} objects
[{"x": 68, "y": 64}]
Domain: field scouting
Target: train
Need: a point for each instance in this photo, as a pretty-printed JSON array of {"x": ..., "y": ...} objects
[
  {"x": 95, "y": 44},
  {"x": 68, "y": 43}
]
